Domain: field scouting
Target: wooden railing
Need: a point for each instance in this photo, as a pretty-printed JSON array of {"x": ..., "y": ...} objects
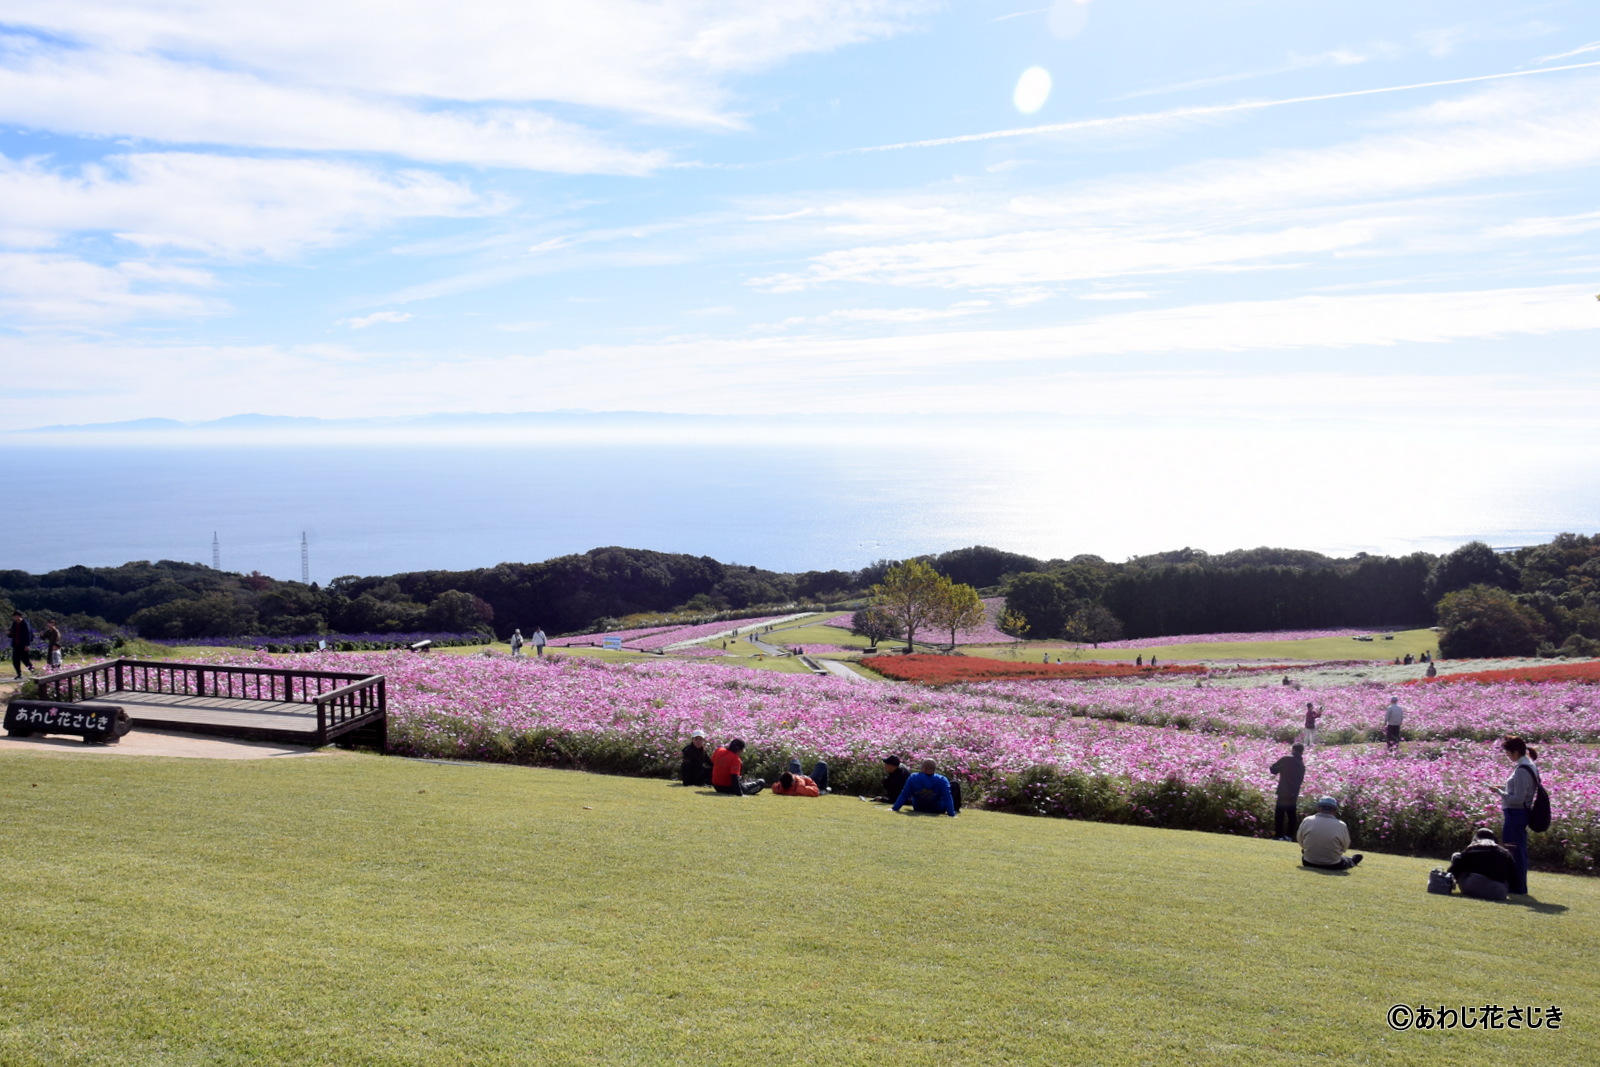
[
  {"x": 360, "y": 698},
  {"x": 339, "y": 695}
]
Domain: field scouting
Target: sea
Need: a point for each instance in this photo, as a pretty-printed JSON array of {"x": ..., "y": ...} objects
[{"x": 787, "y": 501}]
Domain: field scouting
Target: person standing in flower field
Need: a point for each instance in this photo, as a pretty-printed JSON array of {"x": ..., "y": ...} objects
[
  {"x": 1308, "y": 736},
  {"x": 516, "y": 644},
  {"x": 539, "y": 640},
  {"x": 1393, "y": 716},
  {"x": 1291, "y": 772}
]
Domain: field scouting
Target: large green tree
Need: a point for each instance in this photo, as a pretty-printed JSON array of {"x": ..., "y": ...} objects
[
  {"x": 911, "y": 593},
  {"x": 1484, "y": 620},
  {"x": 957, "y": 609}
]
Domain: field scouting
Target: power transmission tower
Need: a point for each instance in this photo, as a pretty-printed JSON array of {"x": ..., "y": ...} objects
[
  {"x": 305, "y": 560},
  {"x": 216, "y": 552}
]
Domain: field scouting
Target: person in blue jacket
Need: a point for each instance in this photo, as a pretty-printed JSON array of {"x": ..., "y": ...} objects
[{"x": 928, "y": 792}]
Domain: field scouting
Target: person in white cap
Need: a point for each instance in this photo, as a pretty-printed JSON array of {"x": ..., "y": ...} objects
[
  {"x": 516, "y": 644},
  {"x": 696, "y": 761},
  {"x": 1324, "y": 838}
]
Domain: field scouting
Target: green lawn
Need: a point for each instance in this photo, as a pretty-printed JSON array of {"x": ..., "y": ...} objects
[
  {"x": 356, "y": 909},
  {"x": 1321, "y": 648}
]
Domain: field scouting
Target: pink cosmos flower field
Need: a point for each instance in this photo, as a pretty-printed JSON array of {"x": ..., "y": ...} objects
[{"x": 1207, "y": 755}]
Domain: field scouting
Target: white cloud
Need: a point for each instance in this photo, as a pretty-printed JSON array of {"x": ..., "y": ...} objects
[
  {"x": 418, "y": 79},
  {"x": 223, "y": 206},
  {"x": 363, "y": 321},
  {"x": 156, "y": 99},
  {"x": 1026, "y": 258},
  {"x": 974, "y": 371},
  {"x": 65, "y": 292},
  {"x": 1551, "y": 226},
  {"x": 1220, "y": 214},
  {"x": 1305, "y": 324}
]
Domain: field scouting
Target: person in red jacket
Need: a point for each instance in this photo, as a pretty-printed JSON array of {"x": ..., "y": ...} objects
[
  {"x": 727, "y": 771},
  {"x": 795, "y": 785}
]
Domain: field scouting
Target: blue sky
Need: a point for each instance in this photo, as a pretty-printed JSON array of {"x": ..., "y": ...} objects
[{"x": 1244, "y": 211}]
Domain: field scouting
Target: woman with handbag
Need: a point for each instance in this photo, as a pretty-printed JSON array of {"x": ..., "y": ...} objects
[{"x": 1515, "y": 800}]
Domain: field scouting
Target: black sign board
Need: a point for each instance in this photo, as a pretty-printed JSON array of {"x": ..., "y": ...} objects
[{"x": 95, "y": 723}]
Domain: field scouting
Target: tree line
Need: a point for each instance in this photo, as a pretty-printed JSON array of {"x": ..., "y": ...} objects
[{"x": 1540, "y": 597}]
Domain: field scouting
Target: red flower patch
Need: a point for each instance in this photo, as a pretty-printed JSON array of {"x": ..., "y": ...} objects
[
  {"x": 1588, "y": 673},
  {"x": 948, "y": 670}
]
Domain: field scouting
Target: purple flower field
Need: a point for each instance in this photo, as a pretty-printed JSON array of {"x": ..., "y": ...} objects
[{"x": 634, "y": 718}]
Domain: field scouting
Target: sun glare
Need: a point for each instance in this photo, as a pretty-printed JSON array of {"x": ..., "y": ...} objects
[{"x": 1033, "y": 89}]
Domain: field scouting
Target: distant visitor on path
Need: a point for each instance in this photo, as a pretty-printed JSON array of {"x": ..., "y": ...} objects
[
  {"x": 1138, "y": 661},
  {"x": 928, "y": 792},
  {"x": 1483, "y": 869},
  {"x": 1324, "y": 839},
  {"x": 1291, "y": 772},
  {"x": 1393, "y": 716},
  {"x": 696, "y": 761},
  {"x": 539, "y": 640},
  {"x": 52, "y": 644},
  {"x": 21, "y": 638},
  {"x": 516, "y": 644},
  {"x": 727, "y": 771},
  {"x": 1515, "y": 800},
  {"x": 795, "y": 785},
  {"x": 1308, "y": 736}
]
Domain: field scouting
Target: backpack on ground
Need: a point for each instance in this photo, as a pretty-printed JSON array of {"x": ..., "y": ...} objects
[{"x": 1539, "y": 812}]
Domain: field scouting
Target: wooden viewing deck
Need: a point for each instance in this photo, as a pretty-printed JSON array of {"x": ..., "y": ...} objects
[{"x": 256, "y": 703}]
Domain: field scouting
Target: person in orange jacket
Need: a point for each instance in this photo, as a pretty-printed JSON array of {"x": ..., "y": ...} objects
[{"x": 795, "y": 785}]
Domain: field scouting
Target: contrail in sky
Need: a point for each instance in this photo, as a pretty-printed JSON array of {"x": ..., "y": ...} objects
[{"x": 1212, "y": 109}]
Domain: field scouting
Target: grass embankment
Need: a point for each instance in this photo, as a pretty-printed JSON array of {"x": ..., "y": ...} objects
[
  {"x": 1318, "y": 648},
  {"x": 352, "y": 909}
]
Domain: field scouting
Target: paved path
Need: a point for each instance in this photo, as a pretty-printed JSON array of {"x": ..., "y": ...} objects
[
  {"x": 833, "y": 666},
  {"x": 154, "y": 743}
]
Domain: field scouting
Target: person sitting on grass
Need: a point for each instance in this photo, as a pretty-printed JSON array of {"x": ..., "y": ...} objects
[
  {"x": 928, "y": 792},
  {"x": 1483, "y": 869},
  {"x": 727, "y": 771},
  {"x": 795, "y": 785},
  {"x": 894, "y": 780},
  {"x": 696, "y": 761},
  {"x": 1324, "y": 838}
]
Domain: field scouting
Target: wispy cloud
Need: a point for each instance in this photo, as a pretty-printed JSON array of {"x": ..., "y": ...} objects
[
  {"x": 363, "y": 321},
  {"x": 65, "y": 292},
  {"x": 1581, "y": 50},
  {"x": 664, "y": 61},
  {"x": 1200, "y": 111},
  {"x": 1339, "y": 57},
  {"x": 219, "y": 205}
]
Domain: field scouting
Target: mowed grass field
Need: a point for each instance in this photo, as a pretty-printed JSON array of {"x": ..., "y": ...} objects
[{"x": 358, "y": 909}]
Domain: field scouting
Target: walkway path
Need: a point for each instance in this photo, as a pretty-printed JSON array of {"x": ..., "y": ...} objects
[{"x": 833, "y": 666}]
